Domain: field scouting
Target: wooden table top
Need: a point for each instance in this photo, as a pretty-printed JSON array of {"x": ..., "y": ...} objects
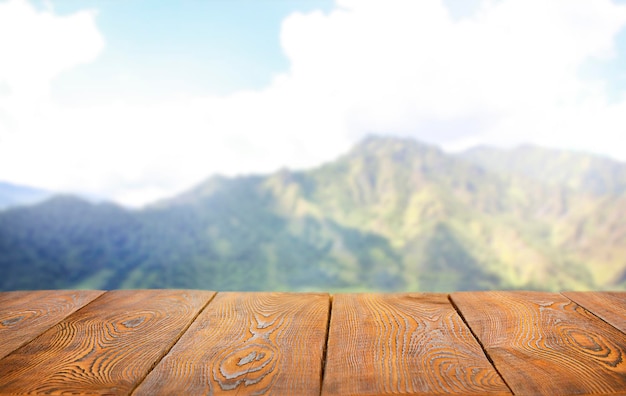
[{"x": 178, "y": 342}]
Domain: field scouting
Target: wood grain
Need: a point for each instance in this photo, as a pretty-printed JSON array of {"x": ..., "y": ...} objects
[
  {"x": 609, "y": 306},
  {"x": 248, "y": 343},
  {"x": 404, "y": 344},
  {"x": 105, "y": 348},
  {"x": 544, "y": 344},
  {"x": 26, "y": 314}
]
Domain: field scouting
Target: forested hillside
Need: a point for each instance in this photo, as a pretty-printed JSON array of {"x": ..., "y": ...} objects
[{"x": 392, "y": 214}]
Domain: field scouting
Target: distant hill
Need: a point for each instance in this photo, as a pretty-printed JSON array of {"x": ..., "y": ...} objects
[
  {"x": 578, "y": 171},
  {"x": 391, "y": 214},
  {"x": 15, "y": 195}
]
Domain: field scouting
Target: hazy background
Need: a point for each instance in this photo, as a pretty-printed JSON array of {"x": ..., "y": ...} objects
[{"x": 137, "y": 100}]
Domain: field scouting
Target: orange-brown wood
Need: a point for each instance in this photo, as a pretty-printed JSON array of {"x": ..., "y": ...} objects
[
  {"x": 106, "y": 347},
  {"x": 544, "y": 344},
  {"x": 609, "y": 306},
  {"x": 245, "y": 343},
  {"x": 248, "y": 343},
  {"x": 26, "y": 314},
  {"x": 404, "y": 344}
]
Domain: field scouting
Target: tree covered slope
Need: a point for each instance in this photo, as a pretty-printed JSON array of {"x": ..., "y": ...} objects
[{"x": 392, "y": 214}]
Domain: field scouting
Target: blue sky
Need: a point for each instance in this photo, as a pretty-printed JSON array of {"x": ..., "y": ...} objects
[
  {"x": 138, "y": 100},
  {"x": 192, "y": 47}
]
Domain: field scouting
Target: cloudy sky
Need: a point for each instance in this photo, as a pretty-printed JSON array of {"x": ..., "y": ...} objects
[{"x": 138, "y": 100}]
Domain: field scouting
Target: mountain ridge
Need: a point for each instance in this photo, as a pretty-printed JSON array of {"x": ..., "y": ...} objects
[
  {"x": 576, "y": 170},
  {"x": 389, "y": 215}
]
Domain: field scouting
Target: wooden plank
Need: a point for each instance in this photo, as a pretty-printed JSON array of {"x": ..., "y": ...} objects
[
  {"x": 26, "y": 314},
  {"x": 404, "y": 344},
  {"x": 609, "y": 306},
  {"x": 544, "y": 344},
  {"x": 106, "y": 347},
  {"x": 249, "y": 343}
]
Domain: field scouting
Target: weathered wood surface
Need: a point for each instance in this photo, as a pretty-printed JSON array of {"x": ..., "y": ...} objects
[
  {"x": 26, "y": 314},
  {"x": 545, "y": 344},
  {"x": 404, "y": 344},
  {"x": 107, "y": 347},
  {"x": 196, "y": 342},
  {"x": 609, "y": 306},
  {"x": 248, "y": 343}
]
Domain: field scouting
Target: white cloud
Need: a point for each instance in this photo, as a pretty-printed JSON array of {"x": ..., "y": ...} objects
[
  {"x": 35, "y": 47},
  {"x": 403, "y": 66},
  {"x": 506, "y": 75}
]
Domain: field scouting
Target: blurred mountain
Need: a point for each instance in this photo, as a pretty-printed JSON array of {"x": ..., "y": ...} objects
[
  {"x": 391, "y": 214},
  {"x": 16, "y": 195},
  {"x": 578, "y": 171}
]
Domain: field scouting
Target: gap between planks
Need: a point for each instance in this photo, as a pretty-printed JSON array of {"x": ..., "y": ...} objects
[
  {"x": 545, "y": 343},
  {"x": 482, "y": 346},
  {"x": 52, "y": 324},
  {"x": 101, "y": 348},
  {"x": 174, "y": 342},
  {"x": 605, "y": 310},
  {"x": 276, "y": 338},
  {"x": 325, "y": 352}
]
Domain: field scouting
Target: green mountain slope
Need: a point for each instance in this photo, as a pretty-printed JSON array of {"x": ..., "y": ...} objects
[
  {"x": 63, "y": 242},
  {"x": 392, "y": 214}
]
